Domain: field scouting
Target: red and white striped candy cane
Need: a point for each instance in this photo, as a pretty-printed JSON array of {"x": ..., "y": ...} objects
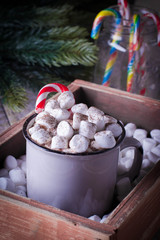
[
  {"x": 43, "y": 93},
  {"x": 124, "y": 9}
]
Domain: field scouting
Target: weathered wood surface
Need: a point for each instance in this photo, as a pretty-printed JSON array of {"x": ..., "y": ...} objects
[{"x": 136, "y": 217}]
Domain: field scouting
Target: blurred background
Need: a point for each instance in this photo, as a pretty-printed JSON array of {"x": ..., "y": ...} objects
[{"x": 45, "y": 41}]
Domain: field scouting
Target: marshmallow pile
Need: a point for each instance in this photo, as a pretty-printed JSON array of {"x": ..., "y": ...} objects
[
  {"x": 74, "y": 128},
  {"x": 13, "y": 175}
]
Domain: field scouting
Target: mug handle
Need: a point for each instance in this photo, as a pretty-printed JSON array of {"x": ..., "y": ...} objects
[{"x": 138, "y": 156}]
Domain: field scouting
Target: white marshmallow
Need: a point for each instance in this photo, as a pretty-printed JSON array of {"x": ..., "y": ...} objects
[
  {"x": 148, "y": 144},
  {"x": 51, "y": 104},
  {"x": 41, "y": 136},
  {"x": 77, "y": 118},
  {"x": 7, "y": 184},
  {"x": 64, "y": 129},
  {"x": 10, "y": 162},
  {"x": 21, "y": 187},
  {"x": 147, "y": 165},
  {"x": 95, "y": 218},
  {"x": 115, "y": 128},
  {"x": 104, "y": 218},
  {"x": 97, "y": 119},
  {"x": 47, "y": 121},
  {"x": 140, "y": 134},
  {"x": 33, "y": 129},
  {"x": 123, "y": 186},
  {"x": 17, "y": 176},
  {"x": 59, "y": 142},
  {"x": 94, "y": 111},
  {"x": 152, "y": 157},
  {"x": 60, "y": 114},
  {"x": 19, "y": 162},
  {"x": 108, "y": 119},
  {"x": 23, "y": 157},
  {"x": 87, "y": 129},
  {"x": 21, "y": 193},
  {"x": 156, "y": 150},
  {"x": 124, "y": 165},
  {"x": 94, "y": 146},
  {"x": 80, "y": 108},
  {"x": 130, "y": 129},
  {"x": 105, "y": 139},
  {"x": 23, "y": 166},
  {"x": 3, "y": 172},
  {"x": 155, "y": 134},
  {"x": 79, "y": 143},
  {"x": 128, "y": 152},
  {"x": 66, "y": 100}
]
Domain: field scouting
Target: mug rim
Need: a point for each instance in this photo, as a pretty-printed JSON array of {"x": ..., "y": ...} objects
[{"x": 27, "y": 137}]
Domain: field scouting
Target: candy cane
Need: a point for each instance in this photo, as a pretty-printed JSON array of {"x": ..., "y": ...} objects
[
  {"x": 133, "y": 47},
  {"x": 156, "y": 20},
  {"x": 43, "y": 93},
  {"x": 116, "y": 38},
  {"x": 124, "y": 9}
]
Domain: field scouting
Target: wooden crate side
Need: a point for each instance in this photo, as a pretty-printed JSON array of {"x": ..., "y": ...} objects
[
  {"x": 138, "y": 215},
  {"x": 128, "y": 107},
  {"x": 21, "y": 218}
]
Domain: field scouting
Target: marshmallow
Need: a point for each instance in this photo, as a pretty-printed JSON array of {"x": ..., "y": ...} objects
[
  {"x": 108, "y": 119},
  {"x": 21, "y": 193},
  {"x": 115, "y": 128},
  {"x": 128, "y": 152},
  {"x": 80, "y": 108},
  {"x": 140, "y": 134},
  {"x": 23, "y": 157},
  {"x": 10, "y": 162},
  {"x": 147, "y": 165},
  {"x": 41, "y": 136},
  {"x": 97, "y": 119},
  {"x": 64, "y": 129},
  {"x": 17, "y": 176},
  {"x": 123, "y": 186},
  {"x": 21, "y": 187},
  {"x": 59, "y": 142},
  {"x": 94, "y": 146},
  {"x": 124, "y": 165},
  {"x": 3, "y": 172},
  {"x": 155, "y": 134},
  {"x": 51, "y": 104},
  {"x": 79, "y": 143},
  {"x": 46, "y": 120},
  {"x": 87, "y": 129},
  {"x": 23, "y": 166},
  {"x": 19, "y": 162},
  {"x": 60, "y": 114},
  {"x": 95, "y": 218},
  {"x": 152, "y": 157},
  {"x": 156, "y": 150},
  {"x": 104, "y": 218},
  {"x": 94, "y": 111},
  {"x": 33, "y": 129},
  {"x": 130, "y": 129},
  {"x": 66, "y": 100},
  {"x": 105, "y": 139},
  {"x": 77, "y": 118},
  {"x": 7, "y": 184},
  {"x": 148, "y": 144}
]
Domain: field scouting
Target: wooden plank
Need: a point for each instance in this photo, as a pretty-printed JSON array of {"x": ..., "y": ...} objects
[
  {"x": 28, "y": 219},
  {"x": 139, "y": 212},
  {"x": 4, "y": 123}
]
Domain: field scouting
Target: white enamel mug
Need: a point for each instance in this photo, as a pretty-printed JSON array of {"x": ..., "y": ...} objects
[{"x": 83, "y": 183}]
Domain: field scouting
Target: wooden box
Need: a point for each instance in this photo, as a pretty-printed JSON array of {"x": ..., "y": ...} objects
[{"x": 136, "y": 217}]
